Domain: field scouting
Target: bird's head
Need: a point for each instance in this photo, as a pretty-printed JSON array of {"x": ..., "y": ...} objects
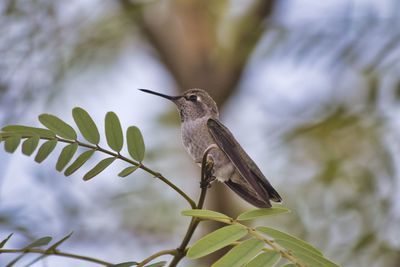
[{"x": 192, "y": 104}]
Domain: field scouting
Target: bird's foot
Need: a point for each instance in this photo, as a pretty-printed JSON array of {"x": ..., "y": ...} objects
[{"x": 206, "y": 183}]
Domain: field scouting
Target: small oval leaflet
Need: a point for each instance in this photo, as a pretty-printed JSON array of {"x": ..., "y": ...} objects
[
  {"x": 216, "y": 240},
  {"x": 11, "y": 143},
  {"x": 65, "y": 156},
  {"x": 114, "y": 135},
  {"x": 278, "y": 235},
  {"x": 58, "y": 126},
  {"x": 101, "y": 166},
  {"x": 240, "y": 254},
  {"x": 311, "y": 258},
  {"x": 45, "y": 150},
  {"x": 2, "y": 243},
  {"x": 29, "y": 145},
  {"x": 43, "y": 241},
  {"x": 28, "y": 130},
  {"x": 206, "y": 214},
  {"x": 265, "y": 259},
  {"x": 86, "y": 125},
  {"x": 85, "y": 156},
  {"x": 125, "y": 172},
  {"x": 257, "y": 213},
  {"x": 59, "y": 242},
  {"x": 135, "y": 142}
]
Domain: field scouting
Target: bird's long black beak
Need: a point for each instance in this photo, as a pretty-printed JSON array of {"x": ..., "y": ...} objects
[{"x": 172, "y": 98}]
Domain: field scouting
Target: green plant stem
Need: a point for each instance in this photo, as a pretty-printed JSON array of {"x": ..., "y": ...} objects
[
  {"x": 119, "y": 156},
  {"x": 194, "y": 222},
  {"x": 57, "y": 253},
  {"x": 156, "y": 255}
]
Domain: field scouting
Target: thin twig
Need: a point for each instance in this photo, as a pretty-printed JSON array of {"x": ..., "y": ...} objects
[
  {"x": 204, "y": 184},
  {"x": 156, "y": 255},
  {"x": 57, "y": 253}
]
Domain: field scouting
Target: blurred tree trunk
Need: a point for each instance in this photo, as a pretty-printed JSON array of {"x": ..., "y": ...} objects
[{"x": 186, "y": 37}]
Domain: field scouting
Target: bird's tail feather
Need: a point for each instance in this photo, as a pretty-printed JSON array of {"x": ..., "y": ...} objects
[
  {"x": 248, "y": 195},
  {"x": 273, "y": 195}
]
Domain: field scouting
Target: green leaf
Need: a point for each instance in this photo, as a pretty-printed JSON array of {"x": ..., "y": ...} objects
[
  {"x": 58, "y": 243},
  {"x": 65, "y": 156},
  {"x": 50, "y": 249},
  {"x": 207, "y": 214},
  {"x": 12, "y": 143},
  {"x": 85, "y": 156},
  {"x": 86, "y": 125},
  {"x": 125, "y": 172},
  {"x": 290, "y": 265},
  {"x": 98, "y": 168},
  {"x": 2, "y": 243},
  {"x": 240, "y": 254},
  {"x": 114, "y": 135},
  {"x": 135, "y": 143},
  {"x": 125, "y": 264},
  {"x": 29, "y": 130},
  {"x": 266, "y": 259},
  {"x": 58, "y": 126},
  {"x": 157, "y": 264},
  {"x": 45, "y": 150},
  {"x": 311, "y": 258},
  {"x": 279, "y": 235},
  {"x": 216, "y": 240},
  {"x": 30, "y": 144},
  {"x": 43, "y": 241},
  {"x": 256, "y": 213}
]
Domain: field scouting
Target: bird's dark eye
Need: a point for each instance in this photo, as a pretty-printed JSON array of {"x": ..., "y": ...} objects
[{"x": 192, "y": 98}]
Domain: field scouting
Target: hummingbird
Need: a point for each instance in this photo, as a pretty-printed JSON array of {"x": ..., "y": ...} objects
[{"x": 201, "y": 129}]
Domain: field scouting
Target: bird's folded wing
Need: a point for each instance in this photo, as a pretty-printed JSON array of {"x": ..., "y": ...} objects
[{"x": 243, "y": 163}]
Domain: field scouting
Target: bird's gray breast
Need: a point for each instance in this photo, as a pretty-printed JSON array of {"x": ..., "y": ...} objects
[{"x": 196, "y": 139}]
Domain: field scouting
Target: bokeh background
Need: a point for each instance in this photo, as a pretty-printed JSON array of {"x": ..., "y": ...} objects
[{"x": 310, "y": 89}]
